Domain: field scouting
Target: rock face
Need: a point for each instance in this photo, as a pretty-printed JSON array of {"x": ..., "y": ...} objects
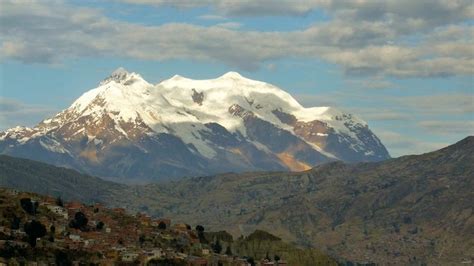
[{"x": 127, "y": 128}]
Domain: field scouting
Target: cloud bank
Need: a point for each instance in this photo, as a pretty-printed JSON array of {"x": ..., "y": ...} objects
[{"x": 391, "y": 38}]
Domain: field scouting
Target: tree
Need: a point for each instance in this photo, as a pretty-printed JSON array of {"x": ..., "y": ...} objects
[
  {"x": 34, "y": 229},
  {"x": 228, "y": 251},
  {"x": 200, "y": 231},
  {"x": 162, "y": 225},
  {"x": 251, "y": 261},
  {"x": 15, "y": 223},
  {"x": 276, "y": 258},
  {"x": 141, "y": 239},
  {"x": 27, "y": 205},
  {"x": 100, "y": 225},
  {"x": 8, "y": 251},
  {"x": 80, "y": 221},
  {"x": 200, "y": 228},
  {"x": 59, "y": 202},
  {"x": 217, "y": 247},
  {"x": 62, "y": 258}
]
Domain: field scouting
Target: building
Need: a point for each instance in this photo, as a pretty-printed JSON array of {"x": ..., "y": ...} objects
[
  {"x": 75, "y": 238},
  {"x": 197, "y": 261},
  {"x": 130, "y": 256},
  {"x": 58, "y": 210},
  {"x": 181, "y": 227},
  {"x": 73, "y": 206}
]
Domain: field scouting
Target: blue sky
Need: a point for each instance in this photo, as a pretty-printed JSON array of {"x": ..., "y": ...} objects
[{"x": 406, "y": 67}]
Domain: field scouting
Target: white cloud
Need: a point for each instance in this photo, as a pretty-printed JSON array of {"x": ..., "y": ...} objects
[
  {"x": 403, "y": 144},
  {"x": 444, "y": 127},
  {"x": 438, "y": 104},
  {"x": 211, "y": 17},
  {"x": 14, "y": 113},
  {"x": 363, "y": 38},
  {"x": 229, "y": 25},
  {"x": 416, "y": 14},
  {"x": 242, "y": 7}
]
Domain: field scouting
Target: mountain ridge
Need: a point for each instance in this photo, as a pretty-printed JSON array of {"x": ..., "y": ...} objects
[
  {"x": 129, "y": 128},
  {"x": 409, "y": 210}
]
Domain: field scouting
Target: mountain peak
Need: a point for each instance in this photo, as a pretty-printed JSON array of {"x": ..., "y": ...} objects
[
  {"x": 232, "y": 75},
  {"x": 119, "y": 75},
  {"x": 119, "y": 72},
  {"x": 176, "y": 77}
]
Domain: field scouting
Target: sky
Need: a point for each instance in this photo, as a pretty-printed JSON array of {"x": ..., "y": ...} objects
[{"x": 406, "y": 67}]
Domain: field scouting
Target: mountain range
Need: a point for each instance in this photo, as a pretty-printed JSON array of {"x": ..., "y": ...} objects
[
  {"x": 412, "y": 210},
  {"x": 128, "y": 129}
]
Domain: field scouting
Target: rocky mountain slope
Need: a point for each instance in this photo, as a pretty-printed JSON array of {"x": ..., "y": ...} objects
[
  {"x": 408, "y": 210},
  {"x": 128, "y": 128},
  {"x": 37, "y": 229}
]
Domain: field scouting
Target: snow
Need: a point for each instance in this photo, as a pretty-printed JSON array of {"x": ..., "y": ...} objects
[
  {"x": 168, "y": 107},
  {"x": 53, "y": 146}
]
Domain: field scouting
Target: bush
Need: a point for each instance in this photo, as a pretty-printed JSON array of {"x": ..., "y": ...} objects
[
  {"x": 28, "y": 206},
  {"x": 217, "y": 247},
  {"x": 59, "y": 202},
  {"x": 34, "y": 229},
  {"x": 99, "y": 226},
  {"x": 162, "y": 226},
  {"x": 80, "y": 221}
]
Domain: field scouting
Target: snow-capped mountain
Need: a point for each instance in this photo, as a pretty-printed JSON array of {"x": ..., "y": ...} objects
[{"x": 129, "y": 128}]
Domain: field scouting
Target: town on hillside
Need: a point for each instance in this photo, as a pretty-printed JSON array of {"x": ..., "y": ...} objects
[{"x": 43, "y": 230}]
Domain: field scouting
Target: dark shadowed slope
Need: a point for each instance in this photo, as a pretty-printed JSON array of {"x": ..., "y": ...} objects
[{"x": 28, "y": 175}]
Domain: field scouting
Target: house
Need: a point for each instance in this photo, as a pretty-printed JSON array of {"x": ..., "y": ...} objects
[
  {"x": 266, "y": 262},
  {"x": 181, "y": 227},
  {"x": 181, "y": 255},
  {"x": 197, "y": 261},
  {"x": 58, "y": 210},
  {"x": 167, "y": 222},
  {"x": 130, "y": 256},
  {"x": 120, "y": 211},
  {"x": 156, "y": 253},
  {"x": 170, "y": 253},
  {"x": 73, "y": 206},
  {"x": 13, "y": 192},
  {"x": 241, "y": 262},
  {"x": 5, "y": 230},
  {"x": 48, "y": 201},
  {"x": 112, "y": 254},
  {"x": 18, "y": 244},
  {"x": 145, "y": 220},
  {"x": 60, "y": 228},
  {"x": 75, "y": 238},
  {"x": 205, "y": 251},
  {"x": 193, "y": 238},
  {"x": 18, "y": 234}
]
